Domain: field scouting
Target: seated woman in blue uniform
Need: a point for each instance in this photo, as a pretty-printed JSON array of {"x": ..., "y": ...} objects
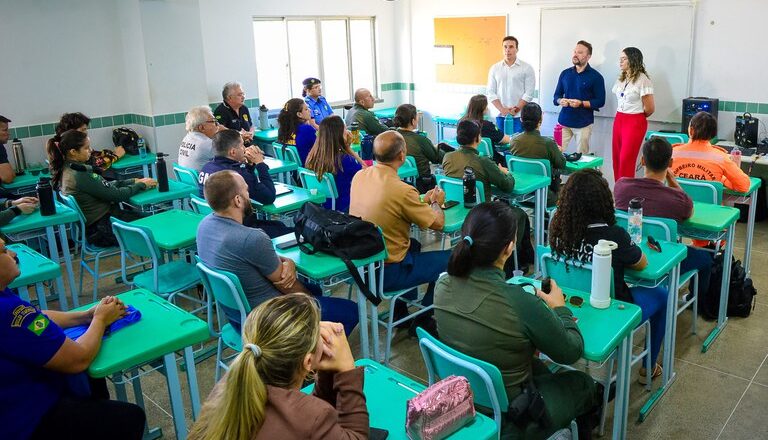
[
  {"x": 333, "y": 154},
  {"x": 44, "y": 392},
  {"x": 294, "y": 127}
]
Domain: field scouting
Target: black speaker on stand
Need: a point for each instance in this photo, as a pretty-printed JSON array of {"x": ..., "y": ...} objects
[{"x": 693, "y": 105}]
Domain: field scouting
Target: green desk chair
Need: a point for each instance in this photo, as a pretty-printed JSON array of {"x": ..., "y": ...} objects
[
  {"x": 666, "y": 229},
  {"x": 227, "y": 291},
  {"x": 287, "y": 153},
  {"x": 166, "y": 279},
  {"x": 410, "y": 165},
  {"x": 578, "y": 276},
  {"x": 199, "y": 205},
  {"x": 539, "y": 167},
  {"x": 454, "y": 190},
  {"x": 673, "y": 138},
  {"x": 326, "y": 185},
  {"x": 707, "y": 191},
  {"x": 485, "y": 379},
  {"x": 89, "y": 254},
  {"x": 186, "y": 175},
  {"x": 485, "y": 147}
]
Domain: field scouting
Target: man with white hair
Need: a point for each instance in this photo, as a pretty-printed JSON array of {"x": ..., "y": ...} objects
[
  {"x": 233, "y": 113},
  {"x": 197, "y": 147}
]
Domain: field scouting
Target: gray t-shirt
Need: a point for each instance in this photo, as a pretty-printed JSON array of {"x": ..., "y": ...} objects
[
  {"x": 196, "y": 150},
  {"x": 225, "y": 244}
]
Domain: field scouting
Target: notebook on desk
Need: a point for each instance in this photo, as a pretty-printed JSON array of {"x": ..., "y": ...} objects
[{"x": 281, "y": 190}]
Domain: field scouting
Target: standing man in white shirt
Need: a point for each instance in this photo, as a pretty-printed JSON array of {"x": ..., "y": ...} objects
[{"x": 511, "y": 83}]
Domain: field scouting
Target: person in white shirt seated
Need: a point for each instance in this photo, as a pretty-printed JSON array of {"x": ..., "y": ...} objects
[{"x": 197, "y": 147}]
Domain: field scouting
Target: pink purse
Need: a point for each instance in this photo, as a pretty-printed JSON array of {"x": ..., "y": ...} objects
[{"x": 440, "y": 410}]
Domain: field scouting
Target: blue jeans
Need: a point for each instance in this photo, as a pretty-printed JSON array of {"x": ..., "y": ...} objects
[
  {"x": 416, "y": 269},
  {"x": 653, "y": 303},
  {"x": 702, "y": 260},
  {"x": 518, "y": 126}
]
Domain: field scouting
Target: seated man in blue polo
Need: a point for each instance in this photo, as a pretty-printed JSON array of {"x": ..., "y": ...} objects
[
  {"x": 6, "y": 170},
  {"x": 233, "y": 113},
  {"x": 318, "y": 106},
  {"x": 224, "y": 243},
  {"x": 231, "y": 154},
  {"x": 580, "y": 92}
]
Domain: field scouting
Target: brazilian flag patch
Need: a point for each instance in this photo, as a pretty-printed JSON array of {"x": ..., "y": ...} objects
[{"x": 38, "y": 325}]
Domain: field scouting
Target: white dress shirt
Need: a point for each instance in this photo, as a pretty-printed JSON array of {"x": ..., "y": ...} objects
[
  {"x": 510, "y": 84},
  {"x": 630, "y": 94}
]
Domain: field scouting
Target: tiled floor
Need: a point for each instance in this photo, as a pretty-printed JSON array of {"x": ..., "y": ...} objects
[{"x": 721, "y": 394}]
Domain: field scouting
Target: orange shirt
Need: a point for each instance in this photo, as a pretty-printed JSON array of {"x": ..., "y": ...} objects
[{"x": 699, "y": 160}]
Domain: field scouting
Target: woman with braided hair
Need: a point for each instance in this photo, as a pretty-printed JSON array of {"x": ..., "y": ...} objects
[{"x": 284, "y": 342}]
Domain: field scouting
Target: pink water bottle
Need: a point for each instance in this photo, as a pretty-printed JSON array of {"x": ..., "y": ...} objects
[
  {"x": 736, "y": 155},
  {"x": 559, "y": 135}
]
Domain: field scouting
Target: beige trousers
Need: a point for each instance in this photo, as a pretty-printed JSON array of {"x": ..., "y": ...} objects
[{"x": 582, "y": 137}]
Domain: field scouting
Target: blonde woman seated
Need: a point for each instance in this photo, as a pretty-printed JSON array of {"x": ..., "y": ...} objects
[{"x": 260, "y": 397}]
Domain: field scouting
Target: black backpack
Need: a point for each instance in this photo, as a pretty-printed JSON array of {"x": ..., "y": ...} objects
[
  {"x": 741, "y": 291},
  {"x": 126, "y": 138},
  {"x": 341, "y": 235}
]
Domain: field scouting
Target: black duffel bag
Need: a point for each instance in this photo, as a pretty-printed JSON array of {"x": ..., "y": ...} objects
[
  {"x": 344, "y": 236},
  {"x": 741, "y": 291}
]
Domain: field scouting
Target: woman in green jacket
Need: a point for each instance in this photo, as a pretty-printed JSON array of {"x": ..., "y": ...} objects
[{"x": 481, "y": 315}]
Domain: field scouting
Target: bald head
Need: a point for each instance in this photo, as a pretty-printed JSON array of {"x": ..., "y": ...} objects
[
  {"x": 388, "y": 146},
  {"x": 364, "y": 98}
]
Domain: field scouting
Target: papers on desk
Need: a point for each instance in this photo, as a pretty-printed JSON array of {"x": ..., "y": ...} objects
[{"x": 585, "y": 158}]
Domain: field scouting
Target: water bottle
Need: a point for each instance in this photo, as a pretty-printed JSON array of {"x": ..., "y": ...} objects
[
  {"x": 18, "y": 156},
  {"x": 439, "y": 171},
  {"x": 142, "y": 144},
  {"x": 162, "y": 173},
  {"x": 470, "y": 188},
  {"x": 635, "y": 223},
  {"x": 559, "y": 135},
  {"x": 736, "y": 156},
  {"x": 366, "y": 147},
  {"x": 263, "y": 120},
  {"x": 600, "y": 296},
  {"x": 509, "y": 125},
  {"x": 45, "y": 196},
  {"x": 354, "y": 128}
]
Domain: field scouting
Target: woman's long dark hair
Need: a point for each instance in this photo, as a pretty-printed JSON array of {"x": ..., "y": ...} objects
[
  {"x": 636, "y": 66},
  {"x": 57, "y": 152},
  {"x": 288, "y": 121},
  {"x": 490, "y": 227},
  {"x": 325, "y": 156},
  {"x": 585, "y": 199},
  {"x": 476, "y": 108}
]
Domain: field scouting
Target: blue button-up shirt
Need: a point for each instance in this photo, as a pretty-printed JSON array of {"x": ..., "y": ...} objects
[
  {"x": 319, "y": 109},
  {"x": 585, "y": 86}
]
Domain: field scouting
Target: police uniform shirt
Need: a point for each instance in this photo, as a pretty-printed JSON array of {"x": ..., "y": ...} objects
[
  {"x": 229, "y": 118},
  {"x": 319, "y": 109},
  {"x": 28, "y": 340}
]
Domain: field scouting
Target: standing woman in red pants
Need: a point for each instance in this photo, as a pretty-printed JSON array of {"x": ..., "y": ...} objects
[{"x": 634, "y": 91}]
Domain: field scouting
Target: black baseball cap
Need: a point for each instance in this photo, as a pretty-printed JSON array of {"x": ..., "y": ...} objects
[
  {"x": 4, "y": 119},
  {"x": 309, "y": 82}
]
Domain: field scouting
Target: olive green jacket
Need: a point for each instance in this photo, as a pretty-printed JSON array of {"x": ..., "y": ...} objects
[
  {"x": 486, "y": 170},
  {"x": 366, "y": 120},
  {"x": 93, "y": 194},
  {"x": 422, "y": 149}
]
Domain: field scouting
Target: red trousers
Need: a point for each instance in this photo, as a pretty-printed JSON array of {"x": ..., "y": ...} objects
[{"x": 628, "y": 133}]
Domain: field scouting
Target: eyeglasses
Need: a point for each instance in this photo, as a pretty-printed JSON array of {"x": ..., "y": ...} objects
[
  {"x": 214, "y": 122},
  {"x": 241, "y": 94}
]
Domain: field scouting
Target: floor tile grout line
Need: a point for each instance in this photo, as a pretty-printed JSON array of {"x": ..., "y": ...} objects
[
  {"x": 146, "y": 396},
  {"x": 740, "y": 398},
  {"x": 715, "y": 370}
]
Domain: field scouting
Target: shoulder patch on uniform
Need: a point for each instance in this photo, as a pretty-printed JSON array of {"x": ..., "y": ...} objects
[
  {"x": 245, "y": 117},
  {"x": 19, "y": 313},
  {"x": 39, "y": 325},
  {"x": 218, "y": 116}
]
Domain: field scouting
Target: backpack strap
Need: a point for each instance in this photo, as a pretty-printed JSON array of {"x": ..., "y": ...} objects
[{"x": 375, "y": 300}]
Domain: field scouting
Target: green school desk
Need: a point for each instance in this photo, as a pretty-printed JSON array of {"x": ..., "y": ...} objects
[
  {"x": 128, "y": 163},
  {"x": 748, "y": 198},
  {"x": 34, "y": 268},
  {"x": 24, "y": 185},
  {"x": 149, "y": 199},
  {"x": 174, "y": 229}
]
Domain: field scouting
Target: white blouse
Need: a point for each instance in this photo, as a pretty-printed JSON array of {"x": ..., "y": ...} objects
[{"x": 630, "y": 95}]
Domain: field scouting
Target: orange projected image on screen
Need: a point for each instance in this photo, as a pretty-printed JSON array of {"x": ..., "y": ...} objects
[{"x": 476, "y": 43}]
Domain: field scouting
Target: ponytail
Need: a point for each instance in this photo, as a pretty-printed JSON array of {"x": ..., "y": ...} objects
[
  {"x": 57, "y": 148},
  {"x": 487, "y": 230},
  {"x": 404, "y": 115}
]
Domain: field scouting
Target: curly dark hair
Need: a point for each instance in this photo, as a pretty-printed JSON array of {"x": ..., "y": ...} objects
[
  {"x": 584, "y": 199},
  {"x": 288, "y": 121}
]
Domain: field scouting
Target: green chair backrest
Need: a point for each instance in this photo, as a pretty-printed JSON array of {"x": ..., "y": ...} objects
[
  {"x": 659, "y": 227},
  {"x": 569, "y": 274},
  {"x": 484, "y": 378},
  {"x": 186, "y": 175},
  {"x": 79, "y": 232},
  {"x": 454, "y": 188},
  {"x": 287, "y": 153},
  {"x": 326, "y": 185},
  {"x": 707, "y": 191},
  {"x": 539, "y": 167},
  {"x": 199, "y": 205},
  {"x": 673, "y": 138},
  {"x": 225, "y": 288},
  {"x": 410, "y": 162},
  {"x": 485, "y": 147},
  {"x": 137, "y": 240}
]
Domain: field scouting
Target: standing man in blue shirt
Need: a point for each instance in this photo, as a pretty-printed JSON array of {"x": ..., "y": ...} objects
[
  {"x": 580, "y": 92},
  {"x": 317, "y": 104}
]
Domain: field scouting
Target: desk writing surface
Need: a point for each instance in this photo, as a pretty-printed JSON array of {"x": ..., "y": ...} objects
[
  {"x": 454, "y": 218},
  {"x": 130, "y": 160},
  {"x": 163, "y": 328},
  {"x": 26, "y": 179},
  {"x": 385, "y": 112},
  {"x": 528, "y": 183},
  {"x": 319, "y": 265},
  {"x": 586, "y": 161},
  {"x": 176, "y": 190},
  {"x": 710, "y": 218},
  {"x": 34, "y": 266},
  {"x": 23, "y": 223},
  {"x": 754, "y": 184},
  {"x": 386, "y": 395},
  {"x": 659, "y": 263},
  {"x": 602, "y": 329},
  {"x": 292, "y": 201},
  {"x": 265, "y": 135},
  {"x": 173, "y": 229},
  {"x": 447, "y": 119},
  {"x": 277, "y": 166}
]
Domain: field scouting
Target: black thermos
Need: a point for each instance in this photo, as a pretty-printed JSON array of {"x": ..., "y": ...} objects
[
  {"x": 470, "y": 188},
  {"x": 45, "y": 196},
  {"x": 162, "y": 173}
]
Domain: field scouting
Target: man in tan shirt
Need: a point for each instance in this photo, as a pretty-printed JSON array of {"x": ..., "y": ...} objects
[{"x": 380, "y": 197}]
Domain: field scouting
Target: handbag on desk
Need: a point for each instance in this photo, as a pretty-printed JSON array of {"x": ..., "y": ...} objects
[{"x": 440, "y": 410}]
